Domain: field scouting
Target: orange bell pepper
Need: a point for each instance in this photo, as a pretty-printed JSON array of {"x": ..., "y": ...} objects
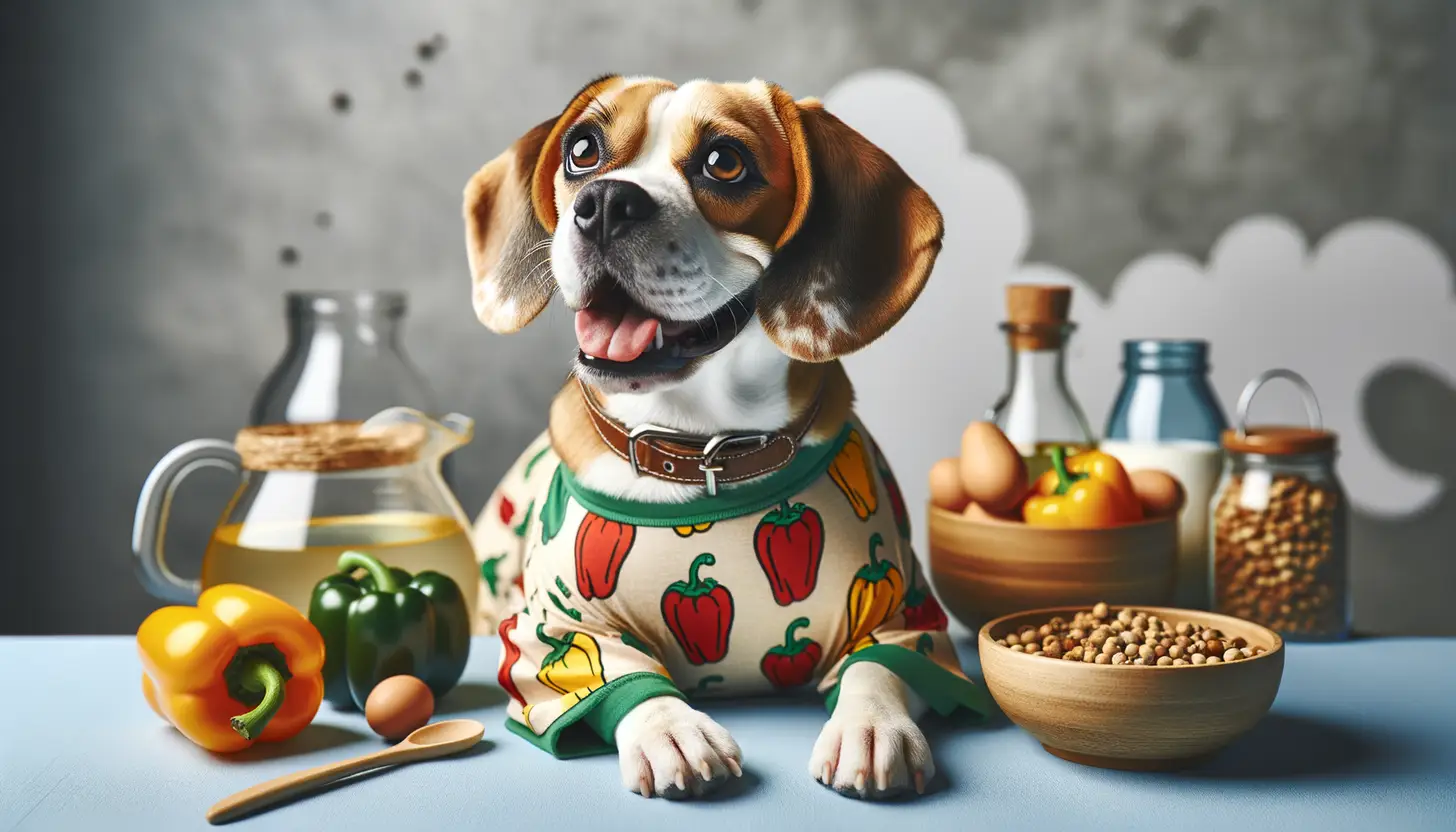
[
  {"x": 241, "y": 666},
  {"x": 1089, "y": 491}
]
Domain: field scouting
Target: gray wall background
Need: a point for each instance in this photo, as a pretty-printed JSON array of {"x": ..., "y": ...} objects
[{"x": 157, "y": 155}]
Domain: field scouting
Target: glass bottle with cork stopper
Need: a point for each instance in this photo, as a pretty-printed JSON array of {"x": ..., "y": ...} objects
[{"x": 1038, "y": 411}]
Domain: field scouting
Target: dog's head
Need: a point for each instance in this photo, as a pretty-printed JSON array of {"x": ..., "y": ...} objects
[{"x": 670, "y": 217}]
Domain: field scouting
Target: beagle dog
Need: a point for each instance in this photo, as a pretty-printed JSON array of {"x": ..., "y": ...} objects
[{"x": 704, "y": 515}]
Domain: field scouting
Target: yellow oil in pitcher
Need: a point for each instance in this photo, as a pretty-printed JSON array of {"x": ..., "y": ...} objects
[{"x": 287, "y": 560}]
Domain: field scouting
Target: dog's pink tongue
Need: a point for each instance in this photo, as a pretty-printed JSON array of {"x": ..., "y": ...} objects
[{"x": 617, "y": 336}]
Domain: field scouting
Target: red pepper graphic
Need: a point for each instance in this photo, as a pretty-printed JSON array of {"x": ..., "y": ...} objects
[
  {"x": 508, "y": 661},
  {"x": 897, "y": 499},
  {"x": 792, "y": 663},
  {"x": 922, "y": 611},
  {"x": 601, "y": 547},
  {"x": 699, "y": 613},
  {"x": 790, "y": 541},
  {"x": 507, "y": 510}
]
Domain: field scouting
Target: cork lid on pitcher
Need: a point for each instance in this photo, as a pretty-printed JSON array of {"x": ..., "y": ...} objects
[
  {"x": 328, "y": 446},
  {"x": 1037, "y": 315}
]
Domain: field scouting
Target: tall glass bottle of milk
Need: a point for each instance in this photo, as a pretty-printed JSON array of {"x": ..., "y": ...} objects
[
  {"x": 1038, "y": 411},
  {"x": 1168, "y": 417}
]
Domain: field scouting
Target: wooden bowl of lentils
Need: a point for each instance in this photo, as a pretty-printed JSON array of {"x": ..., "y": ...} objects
[{"x": 1139, "y": 689}]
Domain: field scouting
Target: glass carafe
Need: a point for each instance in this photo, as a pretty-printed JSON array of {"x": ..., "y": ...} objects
[
  {"x": 344, "y": 362},
  {"x": 310, "y": 492}
]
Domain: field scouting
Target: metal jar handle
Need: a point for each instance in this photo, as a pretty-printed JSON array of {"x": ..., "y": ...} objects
[
  {"x": 149, "y": 530},
  {"x": 1311, "y": 404}
]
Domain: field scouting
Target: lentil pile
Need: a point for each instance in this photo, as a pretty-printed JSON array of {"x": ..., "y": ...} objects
[
  {"x": 1130, "y": 638},
  {"x": 1282, "y": 565}
]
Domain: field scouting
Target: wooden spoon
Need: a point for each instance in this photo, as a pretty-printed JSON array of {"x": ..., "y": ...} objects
[{"x": 427, "y": 743}]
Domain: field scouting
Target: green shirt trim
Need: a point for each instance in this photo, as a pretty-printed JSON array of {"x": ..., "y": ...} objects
[
  {"x": 756, "y": 495},
  {"x": 942, "y": 690},
  {"x": 600, "y": 711}
]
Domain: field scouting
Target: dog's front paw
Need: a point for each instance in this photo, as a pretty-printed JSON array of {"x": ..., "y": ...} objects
[
  {"x": 871, "y": 749},
  {"x": 668, "y": 749}
]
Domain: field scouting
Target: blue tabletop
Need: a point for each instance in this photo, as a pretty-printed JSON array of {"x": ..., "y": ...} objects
[{"x": 1362, "y": 737}]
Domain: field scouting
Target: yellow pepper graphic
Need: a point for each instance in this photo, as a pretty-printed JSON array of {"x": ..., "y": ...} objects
[
  {"x": 877, "y": 592},
  {"x": 573, "y": 668},
  {"x": 689, "y": 531},
  {"x": 867, "y": 641},
  {"x": 851, "y": 471}
]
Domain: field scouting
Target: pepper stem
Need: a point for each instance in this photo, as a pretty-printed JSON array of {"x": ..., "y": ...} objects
[
  {"x": 1059, "y": 464},
  {"x": 705, "y": 559},
  {"x": 259, "y": 674},
  {"x": 383, "y": 578},
  {"x": 875, "y": 541},
  {"x": 794, "y": 625}
]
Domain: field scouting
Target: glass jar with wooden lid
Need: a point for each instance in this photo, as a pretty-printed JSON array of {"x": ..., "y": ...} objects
[{"x": 1280, "y": 525}]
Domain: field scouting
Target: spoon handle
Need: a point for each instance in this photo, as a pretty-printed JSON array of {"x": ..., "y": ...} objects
[{"x": 289, "y": 785}]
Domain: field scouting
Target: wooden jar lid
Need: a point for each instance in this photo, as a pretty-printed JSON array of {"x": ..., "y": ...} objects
[
  {"x": 328, "y": 446},
  {"x": 1279, "y": 440}
]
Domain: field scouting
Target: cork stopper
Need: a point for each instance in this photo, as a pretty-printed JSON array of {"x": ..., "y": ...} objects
[
  {"x": 328, "y": 446},
  {"x": 1037, "y": 315}
]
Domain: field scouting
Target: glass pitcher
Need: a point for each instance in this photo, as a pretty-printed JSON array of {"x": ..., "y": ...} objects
[{"x": 310, "y": 492}]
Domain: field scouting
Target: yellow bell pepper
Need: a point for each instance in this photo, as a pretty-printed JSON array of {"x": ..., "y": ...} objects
[
  {"x": 874, "y": 596},
  {"x": 241, "y": 666},
  {"x": 574, "y": 665},
  {"x": 851, "y": 471},
  {"x": 1088, "y": 491}
]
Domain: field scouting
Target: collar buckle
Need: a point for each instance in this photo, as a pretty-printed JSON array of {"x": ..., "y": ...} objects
[{"x": 716, "y": 444}]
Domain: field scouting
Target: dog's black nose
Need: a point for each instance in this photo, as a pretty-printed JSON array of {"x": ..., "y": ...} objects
[{"x": 607, "y": 208}]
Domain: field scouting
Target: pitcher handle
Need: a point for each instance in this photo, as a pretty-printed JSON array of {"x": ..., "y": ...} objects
[{"x": 149, "y": 530}]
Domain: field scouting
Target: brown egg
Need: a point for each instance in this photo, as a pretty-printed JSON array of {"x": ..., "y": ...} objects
[
  {"x": 1159, "y": 492},
  {"x": 946, "y": 490},
  {"x": 399, "y": 705},
  {"x": 992, "y": 471},
  {"x": 978, "y": 512}
]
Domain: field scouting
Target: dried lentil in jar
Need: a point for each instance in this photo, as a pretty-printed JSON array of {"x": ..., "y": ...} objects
[{"x": 1280, "y": 527}]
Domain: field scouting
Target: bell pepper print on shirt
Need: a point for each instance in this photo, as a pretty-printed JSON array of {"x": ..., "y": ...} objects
[
  {"x": 851, "y": 471},
  {"x": 896, "y": 498},
  {"x": 792, "y": 663},
  {"x": 922, "y": 610},
  {"x": 789, "y": 542},
  {"x": 699, "y": 612},
  {"x": 500, "y": 535},
  {"x": 601, "y": 547},
  {"x": 875, "y": 595},
  {"x": 625, "y": 601}
]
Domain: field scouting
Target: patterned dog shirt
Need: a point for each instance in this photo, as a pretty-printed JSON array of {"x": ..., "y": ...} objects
[{"x": 775, "y": 585}]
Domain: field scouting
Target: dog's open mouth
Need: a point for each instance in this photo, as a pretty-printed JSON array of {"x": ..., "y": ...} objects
[{"x": 617, "y": 336}]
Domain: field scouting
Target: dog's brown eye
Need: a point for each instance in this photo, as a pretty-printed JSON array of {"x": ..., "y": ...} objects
[
  {"x": 724, "y": 164},
  {"x": 583, "y": 154}
]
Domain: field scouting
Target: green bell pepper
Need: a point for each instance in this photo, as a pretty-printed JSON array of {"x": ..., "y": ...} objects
[{"x": 388, "y": 623}]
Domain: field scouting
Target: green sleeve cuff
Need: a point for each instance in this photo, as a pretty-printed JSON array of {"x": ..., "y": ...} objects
[
  {"x": 600, "y": 712},
  {"x": 945, "y": 692}
]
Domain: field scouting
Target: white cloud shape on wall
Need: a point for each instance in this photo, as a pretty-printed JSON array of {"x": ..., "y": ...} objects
[{"x": 1370, "y": 294}]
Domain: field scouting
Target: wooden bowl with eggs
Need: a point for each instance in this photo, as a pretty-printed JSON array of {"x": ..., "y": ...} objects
[
  {"x": 984, "y": 567},
  {"x": 985, "y": 562},
  {"x": 1126, "y": 717}
]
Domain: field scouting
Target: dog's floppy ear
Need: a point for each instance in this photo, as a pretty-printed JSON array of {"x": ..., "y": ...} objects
[
  {"x": 858, "y": 246},
  {"x": 510, "y": 212}
]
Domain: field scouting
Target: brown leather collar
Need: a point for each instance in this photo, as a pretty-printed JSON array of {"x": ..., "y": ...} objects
[{"x": 692, "y": 459}]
